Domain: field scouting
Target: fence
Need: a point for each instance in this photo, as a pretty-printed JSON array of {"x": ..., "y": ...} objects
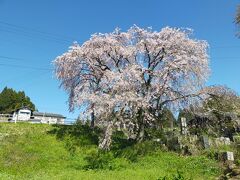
[
  {"x": 8, "y": 118},
  {"x": 5, "y": 117},
  {"x": 68, "y": 121}
]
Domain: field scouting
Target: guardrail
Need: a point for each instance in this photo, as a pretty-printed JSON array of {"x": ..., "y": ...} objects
[
  {"x": 5, "y": 117},
  {"x": 8, "y": 118},
  {"x": 69, "y": 121}
]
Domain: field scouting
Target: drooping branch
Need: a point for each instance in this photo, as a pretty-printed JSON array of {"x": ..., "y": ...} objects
[{"x": 120, "y": 73}]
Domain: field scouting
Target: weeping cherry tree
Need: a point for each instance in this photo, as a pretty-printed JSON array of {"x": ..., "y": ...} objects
[{"x": 125, "y": 79}]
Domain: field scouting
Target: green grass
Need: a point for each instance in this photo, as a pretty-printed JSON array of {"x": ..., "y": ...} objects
[{"x": 34, "y": 151}]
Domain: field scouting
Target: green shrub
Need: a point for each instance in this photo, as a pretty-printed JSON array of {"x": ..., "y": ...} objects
[
  {"x": 98, "y": 159},
  {"x": 178, "y": 176},
  {"x": 154, "y": 133},
  {"x": 70, "y": 145},
  {"x": 138, "y": 150},
  {"x": 120, "y": 141},
  {"x": 212, "y": 154}
]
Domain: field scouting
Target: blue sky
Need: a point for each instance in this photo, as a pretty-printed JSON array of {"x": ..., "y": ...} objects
[{"x": 33, "y": 33}]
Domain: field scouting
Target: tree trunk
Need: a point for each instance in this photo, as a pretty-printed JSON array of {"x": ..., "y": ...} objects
[
  {"x": 92, "y": 119},
  {"x": 171, "y": 124},
  {"x": 140, "y": 134},
  {"x": 107, "y": 139}
]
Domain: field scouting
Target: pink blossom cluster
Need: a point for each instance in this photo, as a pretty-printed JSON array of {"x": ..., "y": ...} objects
[{"x": 117, "y": 74}]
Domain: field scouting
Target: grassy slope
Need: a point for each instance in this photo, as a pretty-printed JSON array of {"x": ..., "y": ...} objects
[{"x": 28, "y": 151}]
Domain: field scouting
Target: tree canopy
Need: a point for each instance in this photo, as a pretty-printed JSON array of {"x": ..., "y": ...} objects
[
  {"x": 129, "y": 77},
  {"x": 217, "y": 115},
  {"x": 10, "y": 100},
  {"x": 237, "y": 18},
  {"x": 222, "y": 99},
  {"x": 238, "y": 15}
]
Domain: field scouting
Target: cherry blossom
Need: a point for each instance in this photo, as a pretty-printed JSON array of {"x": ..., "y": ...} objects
[{"x": 126, "y": 78}]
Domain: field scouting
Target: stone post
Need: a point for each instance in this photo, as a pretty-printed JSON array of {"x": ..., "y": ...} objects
[{"x": 183, "y": 126}]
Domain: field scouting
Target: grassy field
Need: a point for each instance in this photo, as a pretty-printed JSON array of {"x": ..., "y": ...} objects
[{"x": 34, "y": 151}]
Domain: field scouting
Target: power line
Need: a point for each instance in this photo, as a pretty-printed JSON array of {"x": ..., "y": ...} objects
[
  {"x": 15, "y": 78},
  {"x": 21, "y": 66},
  {"x": 36, "y": 30},
  {"x": 13, "y": 28},
  {"x": 51, "y": 69},
  {"x": 30, "y": 32},
  {"x": 11, "y": 58},
  {"x": 22, "y": 59},
  {"x": 224, "y": 57},
  {"x": 26, "y": 29},
  {"x": 32, "y": 36},
  {"x": 27, "y": 67},
  {"x": 222, "y": 47},
  {"x": 32, "y": 81}
]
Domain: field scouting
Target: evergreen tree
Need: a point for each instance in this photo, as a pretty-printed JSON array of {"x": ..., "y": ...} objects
[
  {"x": 167, "y": 119},
  {"x": 10, "y": 100},
  {"x": 188, "y": 114}
]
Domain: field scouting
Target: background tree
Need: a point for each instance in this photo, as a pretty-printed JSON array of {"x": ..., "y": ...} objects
[
  {"x": 10, "y": 100},
  {"x": 237, "y": 18},
  {"x": 238, "y": 15},
  {"x": 222, "y": 99},
  {"x": 166, "y": 119},
  {"x": 218, "y": 115},
  {"x": 187, "y": 113},
  {"x": 129, "y": 77}
]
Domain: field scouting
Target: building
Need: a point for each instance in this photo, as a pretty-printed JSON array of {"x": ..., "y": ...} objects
[
  {"x": 25, "y": 114},
  {"x": 22, "y": 114},
  {"x": 48, "y": 118}
]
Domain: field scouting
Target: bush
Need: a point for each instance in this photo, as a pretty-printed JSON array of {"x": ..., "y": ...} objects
[
  {"x": 70, "y": 145},
  {"x": 178, "y": 176},
  {"x": 212, "y": 154},
  {"x": 138, "y": 150},
  {"x": 154, "y": 133},
  {"x": 120, "y": 141},
  {"x": 216, "y": 153},
  {"x": 98, "y": 159}
]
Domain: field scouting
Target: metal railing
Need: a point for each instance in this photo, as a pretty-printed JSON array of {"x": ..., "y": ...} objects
[
  {"x": 5, "y": 117},
  {"x": 8, "y": 118},
  {"x": 69, "y": 121}
]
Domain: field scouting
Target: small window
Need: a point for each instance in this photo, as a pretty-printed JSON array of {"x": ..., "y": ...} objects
[{"x": 27, "y": 113}]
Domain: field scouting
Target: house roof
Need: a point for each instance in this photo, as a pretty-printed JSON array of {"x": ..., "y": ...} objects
[{"x": 35, "y": 113}]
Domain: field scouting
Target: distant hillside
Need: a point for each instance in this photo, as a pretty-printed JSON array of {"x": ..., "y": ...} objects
[{"x": 36, "y": 151}]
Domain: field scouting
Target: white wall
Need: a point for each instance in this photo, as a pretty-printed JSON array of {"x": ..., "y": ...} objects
[
  {"x": 22, "y": 115},
  {"x": 50, "y": 120}
]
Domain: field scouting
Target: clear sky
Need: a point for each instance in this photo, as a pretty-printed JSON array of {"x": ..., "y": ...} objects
[{"x": 33, "y": 33}]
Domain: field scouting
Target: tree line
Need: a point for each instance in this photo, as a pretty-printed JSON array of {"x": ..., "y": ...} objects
[{"x": 11, "y": 100}]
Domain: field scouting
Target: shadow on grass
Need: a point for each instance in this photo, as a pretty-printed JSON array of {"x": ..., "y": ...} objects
[
  {"x": 81, "y": 134},
  {"x": 87, "y": 139}
]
